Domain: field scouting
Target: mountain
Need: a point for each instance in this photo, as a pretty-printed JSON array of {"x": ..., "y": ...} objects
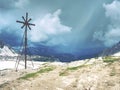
[
  {"x": 51, "y": 52},
  {"x": 112, "y": 50},
  {"x": 46, "y": 51},
  {"x": 6, "y": 50},
  {"x": 90, "y": 74}
]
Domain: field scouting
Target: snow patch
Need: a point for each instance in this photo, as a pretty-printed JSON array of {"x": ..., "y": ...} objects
[
  {"x": 116, "y": 54},
  {"x": 6, "y": 51}
]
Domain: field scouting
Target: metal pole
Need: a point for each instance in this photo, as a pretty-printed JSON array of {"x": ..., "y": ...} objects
[{"x": 26, "y": 47}]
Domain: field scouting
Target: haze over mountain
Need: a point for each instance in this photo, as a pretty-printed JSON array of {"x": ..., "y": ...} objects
[{"x": 79, "y": 28}]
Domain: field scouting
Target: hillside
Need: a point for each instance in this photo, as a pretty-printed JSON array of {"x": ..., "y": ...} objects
[{"x": 90, "y": 74}]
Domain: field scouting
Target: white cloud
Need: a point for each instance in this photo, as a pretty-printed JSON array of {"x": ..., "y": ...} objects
[
  {"x": 49, "y": 27},
  {"x": 112, "y": 35},
  {"x": 113, "y": 12}
]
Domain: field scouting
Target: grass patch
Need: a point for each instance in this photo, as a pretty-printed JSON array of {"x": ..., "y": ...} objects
[
  {"x": 30, "y": 75},
  {"x": 110, "y": 59},
  {"x": 66, "y": 71},
  {"x": 44, "y": 70},
  {"x": 75, "y": 68},
  {"x": 35, "y": 74}
]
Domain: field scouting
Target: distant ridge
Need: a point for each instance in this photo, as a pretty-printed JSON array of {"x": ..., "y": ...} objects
[{"x": 112, "y": 50}]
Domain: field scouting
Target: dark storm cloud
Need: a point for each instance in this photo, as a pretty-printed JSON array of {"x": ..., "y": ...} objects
[
  {"x": 7, "y": 4},
  {"x": 80, "y": 17},
  {"x": 9, "y": 37}
]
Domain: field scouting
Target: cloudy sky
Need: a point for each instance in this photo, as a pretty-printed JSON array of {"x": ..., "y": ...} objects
[{"x": 70, "y": 25}]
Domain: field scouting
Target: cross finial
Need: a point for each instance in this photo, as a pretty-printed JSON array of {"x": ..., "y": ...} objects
[{"x": 26, "y": 22}]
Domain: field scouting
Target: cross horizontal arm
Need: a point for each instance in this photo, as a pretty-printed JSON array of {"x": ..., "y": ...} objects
[
  {"x": 23, "y": 26},
  {"x": 29, "y": 20},
  {"x": 23, "y": 18},
  {"x": 31, "y": 24},
  {"x": 20, "y": 21},
  {"x": 29, "y": 27}
]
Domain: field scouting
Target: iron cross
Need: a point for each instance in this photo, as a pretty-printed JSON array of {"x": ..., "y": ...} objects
[{"x": 26, "y": 23}]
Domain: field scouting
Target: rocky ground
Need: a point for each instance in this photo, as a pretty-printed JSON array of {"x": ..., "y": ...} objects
[{"x": 90, "y": 74}]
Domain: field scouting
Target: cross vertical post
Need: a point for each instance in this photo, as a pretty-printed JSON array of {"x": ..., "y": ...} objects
[
  {"x": 26, "y": 47},
  {"x": 26, "y": 24}
]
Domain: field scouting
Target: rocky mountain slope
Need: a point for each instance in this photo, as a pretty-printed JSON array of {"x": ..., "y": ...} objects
[
  {"x": 6, "y": 50},
  {"x": 90, "y": 74}
]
